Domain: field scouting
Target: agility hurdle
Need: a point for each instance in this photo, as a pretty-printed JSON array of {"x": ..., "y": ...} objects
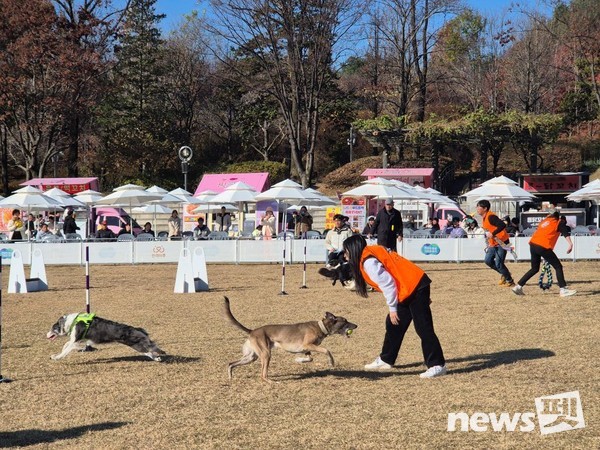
[
  {"x": 191, "y": 272},
  {"x": 17, "y": 283}
]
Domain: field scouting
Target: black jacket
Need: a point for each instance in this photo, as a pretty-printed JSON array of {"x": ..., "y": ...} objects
[
  {"x": 69, "y": 225},
  {"x": 389, "y": 227}
]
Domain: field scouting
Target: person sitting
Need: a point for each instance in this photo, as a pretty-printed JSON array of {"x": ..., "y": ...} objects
[
  {"x": 103, "y": 232},
  {"x": 335, "y": 239},
  {"x": 454, "y": 230},
  {"x": 511, "y": 229},
  {"x": 435, "y": 225},
  {"x": 410, "y": 224},
  {"x": 472, "y": 228},
  {"x": 148, "y": 229},
  {"x": 369, "y": 229},
  {"x": 257, "y": 233},
  {"x": 43, "y": 232},
  {"x": 126, "y": 229},
  {"x": 201, "y": 231}
]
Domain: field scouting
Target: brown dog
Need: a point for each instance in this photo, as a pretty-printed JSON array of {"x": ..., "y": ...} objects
[{"x": 303, "y": 338}]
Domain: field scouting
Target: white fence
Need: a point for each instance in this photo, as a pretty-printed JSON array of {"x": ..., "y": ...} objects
[{"x": 251, "y": 251}]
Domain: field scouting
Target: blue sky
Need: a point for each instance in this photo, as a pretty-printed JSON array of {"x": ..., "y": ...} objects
[{"x": 175, "y": 9}]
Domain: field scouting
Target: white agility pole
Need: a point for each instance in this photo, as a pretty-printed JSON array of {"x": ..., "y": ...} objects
[
  {"x": 2, "y": 379},
  {"x": 304, "y": 286},
  {"x": 87, "y": 279}
]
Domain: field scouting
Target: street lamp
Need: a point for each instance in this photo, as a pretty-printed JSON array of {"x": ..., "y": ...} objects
[
  {"x": 351, "y": 140},
  {"x": 185, "y": 154}
]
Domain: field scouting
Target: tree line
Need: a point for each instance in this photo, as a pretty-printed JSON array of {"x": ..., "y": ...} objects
[{"x": 92, "y": 87}]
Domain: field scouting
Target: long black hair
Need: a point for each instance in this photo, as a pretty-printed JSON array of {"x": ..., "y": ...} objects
[{"x": 354, "y": 246}]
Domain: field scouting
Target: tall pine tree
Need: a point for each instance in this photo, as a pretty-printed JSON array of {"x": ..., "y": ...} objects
[{"x": 135, "y": 117}]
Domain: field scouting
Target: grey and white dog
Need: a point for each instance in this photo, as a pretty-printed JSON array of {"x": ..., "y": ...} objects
[{"x": 82, "y": 328}]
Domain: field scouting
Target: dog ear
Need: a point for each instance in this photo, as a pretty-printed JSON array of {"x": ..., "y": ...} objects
[{"x": 328, "y": 315}]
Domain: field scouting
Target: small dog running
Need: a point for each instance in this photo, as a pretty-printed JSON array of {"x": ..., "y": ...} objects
[
  {"x": 341, "y": 273},
  {"x": 303, "y": 338},
  {"x": 90, "y": 328}
]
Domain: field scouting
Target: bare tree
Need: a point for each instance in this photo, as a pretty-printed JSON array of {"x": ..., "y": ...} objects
[{"x": 293, "y": 43}]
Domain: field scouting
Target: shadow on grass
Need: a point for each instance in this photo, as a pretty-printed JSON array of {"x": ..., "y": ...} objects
[
  {"x": 166, "y": 359},
  {"x": 24, "y": 438},
  {"x": 474, "y": 363}
]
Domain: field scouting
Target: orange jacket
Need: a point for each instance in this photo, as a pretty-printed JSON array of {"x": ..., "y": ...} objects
[
  {"x": 406, "y": 274},
  {"x": 502, "y": 235},
  {"x": 547, "y": 233}
]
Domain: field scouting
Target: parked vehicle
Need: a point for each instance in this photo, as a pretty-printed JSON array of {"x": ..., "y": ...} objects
[{"x": 116, "y": 218}]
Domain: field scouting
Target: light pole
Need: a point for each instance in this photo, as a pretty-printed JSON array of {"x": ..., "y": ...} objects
[
  {"x": 351, "y": 140},
  {"x": 185, "y": 154},
  {"x": 55, "y": 159}
]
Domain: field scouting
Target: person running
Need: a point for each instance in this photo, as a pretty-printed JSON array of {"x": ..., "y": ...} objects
[
  {"x": 541, "y": 245},
  {"x": 495, "y": 232},
  {"x": 406, "y": 288}
]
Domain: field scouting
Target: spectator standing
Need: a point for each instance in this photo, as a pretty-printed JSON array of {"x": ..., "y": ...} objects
[
  {"x": 388, "y": 224},
  {"x": 174, "y": 224},
  {"x": 335, "y": 239},
  {"x": 304, "y": 222},
  {"x": 30, "y": 228},
  {"x": 223, "y": 219},
  {"x": 69, "y": 224},
  {"x": 16, "y": 226},
  {"x": 201, "y": 231},
  {"x": 268, "y": 224}
]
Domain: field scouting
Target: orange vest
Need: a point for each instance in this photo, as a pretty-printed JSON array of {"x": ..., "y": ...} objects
[
  {"x": 547, "y": 233},
  {"x": 503, "y": 235},
  {"x": 406, "y": 274}
]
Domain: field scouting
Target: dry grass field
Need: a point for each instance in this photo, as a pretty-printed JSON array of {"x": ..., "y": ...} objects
[{"x": 502, "y": 351}]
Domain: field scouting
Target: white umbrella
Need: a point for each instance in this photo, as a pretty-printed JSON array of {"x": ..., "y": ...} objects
[
  {"x": 591, "y": 191},
  {"x": 126, "y": 187},
  {"x": 205, "y": 196},
  {"x": 208, "y": 208},
  {"x": 500, "y": 180},
  {"x": 381, "y": 191},
  {"x": 238, "y": 193},
  {"x": 64, "y": 198},
  {"x": 318, "y": 198},
  {"x": 154, "y": 208},
  {"x": 157, "y": 190},
  {"x": 503, "y": 192},
  {"x": 184, "y": 196},
  {"x": 89, "y": 196},
  {"x": 30, "y": 198}
]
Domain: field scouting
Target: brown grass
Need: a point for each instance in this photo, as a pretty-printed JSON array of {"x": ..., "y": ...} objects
[{"x": 502, "y": 352}]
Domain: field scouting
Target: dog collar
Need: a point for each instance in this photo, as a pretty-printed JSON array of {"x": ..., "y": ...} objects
[{"x": 322, "y": 327}]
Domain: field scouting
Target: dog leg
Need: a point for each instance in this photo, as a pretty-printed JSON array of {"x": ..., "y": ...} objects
[
  {"x": 323, "y": 350},
  {"x": 67, "y": 348},
  {"x": 304, "y": 359},
  {"x": 265, "y": 359},
  {"x": 248, "y": 356}
]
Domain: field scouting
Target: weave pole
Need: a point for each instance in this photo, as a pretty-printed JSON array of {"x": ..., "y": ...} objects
[
  {"x": 87, "y": 279},
  {"x": 284, "y": 244},
  {"x": 2, "y": 379},
  {"x": 304, "y": 286}
]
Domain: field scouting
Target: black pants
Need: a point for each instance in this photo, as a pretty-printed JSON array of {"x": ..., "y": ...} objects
[
  {"x": 415, "y": 308},
  {"x": 537, "y": 253}
]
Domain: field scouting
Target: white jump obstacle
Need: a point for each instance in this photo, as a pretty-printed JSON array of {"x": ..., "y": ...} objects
[
  {"x": 191, "y": 272},
  {"x": 17, "y": 283}
]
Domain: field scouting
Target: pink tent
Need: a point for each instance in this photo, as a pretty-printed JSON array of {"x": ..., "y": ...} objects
[
  {"x": 69, "y": 185},
  {"x": 218, "y": 182}
]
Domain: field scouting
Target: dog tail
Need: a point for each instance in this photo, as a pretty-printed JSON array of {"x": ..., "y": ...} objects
[{"x": 232, "y": 320}]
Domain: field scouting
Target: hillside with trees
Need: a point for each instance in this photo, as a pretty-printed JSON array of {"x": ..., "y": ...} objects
[{"x": 305, "y": 89}]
